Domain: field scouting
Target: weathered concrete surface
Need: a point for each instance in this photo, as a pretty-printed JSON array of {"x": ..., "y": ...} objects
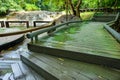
[
  {"x": 18, "y": 71},
  {"x": 104, "y": 17},
  {"x": 114, "y": 33},
  {"x": 57, "y": 68}
]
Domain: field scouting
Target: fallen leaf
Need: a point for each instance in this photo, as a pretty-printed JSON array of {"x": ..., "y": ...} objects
[{"x": 60, "y": 59}]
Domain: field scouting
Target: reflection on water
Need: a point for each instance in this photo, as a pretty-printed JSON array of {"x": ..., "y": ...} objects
[
  {"x": 84, "y": 37},
  {"x": 61, "y": 37}
]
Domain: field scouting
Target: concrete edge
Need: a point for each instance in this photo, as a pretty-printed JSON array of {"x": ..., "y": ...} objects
[
  {"x": 12, "y": 43},
  {"x": 115, "y": 34},
  {"x": 84, "y": 57}
]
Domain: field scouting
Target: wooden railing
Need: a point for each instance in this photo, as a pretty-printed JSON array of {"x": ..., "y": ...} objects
[
  {"x": 34, "y": 35},
  {"x": 8, "y": 25},
  {"x": 27, "y": 30},
  {"x": 100, "y": 10},
  {"x": 34, "y": 22}
]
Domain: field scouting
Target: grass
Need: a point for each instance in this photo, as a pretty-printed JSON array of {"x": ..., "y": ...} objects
[{"x": 86, "y": 15}]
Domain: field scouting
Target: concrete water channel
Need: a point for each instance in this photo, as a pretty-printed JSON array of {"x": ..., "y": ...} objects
[
  {"x": 77, "y": 51},
  {"x": 71, "y": 46},
  {"x": 87, "y": 37}
]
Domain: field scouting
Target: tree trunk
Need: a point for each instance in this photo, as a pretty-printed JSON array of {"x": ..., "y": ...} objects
[
  {"x": 72, "y": 7},
  {"x": 78, "y": 7},
  {"x": 75, "y": 10}
]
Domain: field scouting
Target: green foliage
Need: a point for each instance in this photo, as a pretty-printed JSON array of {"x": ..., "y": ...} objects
[
  {"x": 31, "y": 7},
  {"x": 6, "y": 5},
  {"x": 3, "y": 9},
  {"x": 14, "y": 5},
  {"x": 87, "y": 15},
  {"x": 52, "y": 5}
]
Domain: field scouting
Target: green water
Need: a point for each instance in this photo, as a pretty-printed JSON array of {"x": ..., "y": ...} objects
[{"x": 87, "y": 37}]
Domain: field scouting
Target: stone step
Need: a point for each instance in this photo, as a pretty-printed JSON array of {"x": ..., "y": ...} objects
[
  {"x": 11, "y": 77},
  {"x": 29, "y": 73},
  {"x": 76, "y": 55},
  {"x": 22, "y": 72},
  {"x": 50, "y": 70},
  {"x": 57, "y": 68},
  {"x": 7, "y": 76},
  {"x": 18, "y": 74}
]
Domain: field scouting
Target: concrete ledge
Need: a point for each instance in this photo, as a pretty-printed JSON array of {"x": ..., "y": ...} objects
[
  {"x": 11, "y": 42},
  {"x": 115, "y": 34},
  {"x": 85, "y": 57}
]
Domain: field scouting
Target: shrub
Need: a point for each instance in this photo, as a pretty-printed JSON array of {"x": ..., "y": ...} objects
[
  {"x": 31, "y": 7},
  {"x": 3, "y": 9}
]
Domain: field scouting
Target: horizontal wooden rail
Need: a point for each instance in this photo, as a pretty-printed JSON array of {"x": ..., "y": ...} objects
[
  {"x": 27, "y": 30},
  {"x": 51, "y": 29},
  {"x": 34, "y": 22},
  {"x": 7, "y": 23},
  {"x": 100, "y": 9}
]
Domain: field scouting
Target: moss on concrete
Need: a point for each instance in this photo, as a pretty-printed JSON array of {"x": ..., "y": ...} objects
[{"x": 89, "y": 37}]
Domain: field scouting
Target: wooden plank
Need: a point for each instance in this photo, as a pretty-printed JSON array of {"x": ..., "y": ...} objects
[
  {"x": 26, "y": 22},
  {"x": 7, "y": 76},
  {"x": 34, "y": 22}
]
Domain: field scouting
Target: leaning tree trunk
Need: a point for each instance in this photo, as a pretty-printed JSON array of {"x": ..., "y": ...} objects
[
  {"x": 72, "y": 7},
  {"x": 78, "y": 8},
  {"x": 75, "y": 10}
]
